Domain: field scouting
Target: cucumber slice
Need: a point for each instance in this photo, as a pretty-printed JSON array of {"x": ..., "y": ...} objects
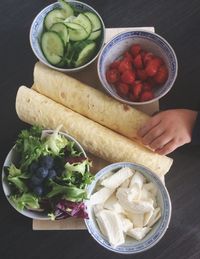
[
  {"x": 96, "y": 23},
  {"x": 66, "y": 8},
  {"x": 53, "y": 47},
  {"x": 84, "y": 21},
  {"x": 52, "y": 17},
  {"x": 70, "y": 19},
  {"x": 62, "y": 30},
  {"x": 76, "y": 31},
  {"x": 94, "y": 35},
  {"x": 84, "y": 51}
]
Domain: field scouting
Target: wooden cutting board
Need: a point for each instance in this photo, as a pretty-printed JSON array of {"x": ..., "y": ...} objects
[{"x": 89, "y": 76}]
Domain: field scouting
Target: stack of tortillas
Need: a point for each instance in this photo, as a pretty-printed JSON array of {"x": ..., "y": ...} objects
[{"x": 102, "y": 125}]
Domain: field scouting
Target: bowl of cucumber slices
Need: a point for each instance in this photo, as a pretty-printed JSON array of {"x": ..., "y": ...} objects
[{"x": 67, "y": 35}]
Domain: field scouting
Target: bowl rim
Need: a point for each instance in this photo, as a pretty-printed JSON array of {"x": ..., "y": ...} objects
[
  {"x": 120, "y": 98},
  {"x": 67, "y": 69},
  {"x": 156, "y": 180},
  {"x": 25, "y": 212}
]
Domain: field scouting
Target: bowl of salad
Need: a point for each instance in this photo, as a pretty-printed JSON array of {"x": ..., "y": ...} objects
[
  {"x": 67, "y": 35},
  {"x": 45, "y": 175}
]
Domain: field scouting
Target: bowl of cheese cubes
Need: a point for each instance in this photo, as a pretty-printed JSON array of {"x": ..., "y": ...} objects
[{"x": 129, "y": 208}]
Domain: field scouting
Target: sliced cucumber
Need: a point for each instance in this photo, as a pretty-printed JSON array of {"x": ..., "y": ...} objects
[
  {"x": 94, "y": 35},
  {"x": 62, "y": 30},
  {"x": 52, "y": 47},
  {"x": 69, "y": 54},
  {"x": 68, "y": 10},
  {"x": 84, "y": 51},
  {"x": 54, "y": 16},
  {"x": 70, "y": 19},
  {"x": 96, "y": 23},
  {"x": 84, "y": 21},
  {"x": 76, "y": 31}
]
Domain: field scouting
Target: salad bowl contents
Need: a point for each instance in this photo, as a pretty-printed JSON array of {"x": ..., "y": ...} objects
[
  {"x": 129, "y": 208},
  {"x": 45, "y": 175},
  {"x": 137, "y": 67},
  {"x": 67, "y": 35}
]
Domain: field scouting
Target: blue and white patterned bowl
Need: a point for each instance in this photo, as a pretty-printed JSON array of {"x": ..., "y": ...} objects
[
  {"x": 158, "y": 230},
  {"x": 151, "y": 42},
  {"x": 37, "y": 28},
  {"x": 13, "y": 157}
]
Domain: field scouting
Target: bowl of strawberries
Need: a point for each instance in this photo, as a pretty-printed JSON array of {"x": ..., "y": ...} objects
[{"x": 137, "y": 67}]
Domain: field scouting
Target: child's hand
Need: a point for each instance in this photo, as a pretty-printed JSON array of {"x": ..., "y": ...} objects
[{"x": 168, "y": 130}]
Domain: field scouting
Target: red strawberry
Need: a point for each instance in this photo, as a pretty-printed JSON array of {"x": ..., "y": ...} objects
[
  {"x": 161, "y": 76},
  {"x": 125, "y": 64},
  {"x": 141, "y": 74},
  {"x": 128, "y": 77},
  {"x": 135, "y": 49},
  {"x": 146, "y": 57},
  {"x": 137, "y": 89},
  {"x": 152, "y": 67},
  {"x": 112, "y": 76},
  {"x": 138, "y": 62},
  {"x": 128, "y": 56},
  {"x": 122, "y": 89},
  {"x": 115, "y": 64},
  {"x": 146, "y": 96}
]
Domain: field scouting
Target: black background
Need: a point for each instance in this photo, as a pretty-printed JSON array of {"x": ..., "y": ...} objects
[{"x": 178, "y": 22}]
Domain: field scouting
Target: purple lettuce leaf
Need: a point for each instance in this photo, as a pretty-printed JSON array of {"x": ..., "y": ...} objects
[{"x": 65, "y": 209}]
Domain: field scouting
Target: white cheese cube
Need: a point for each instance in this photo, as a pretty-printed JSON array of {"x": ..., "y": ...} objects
[
  {"x": 113, "y": 204},
  {"x": 155, "y": 217},
  {"x": 115, "y": 180},
  {"x": 101, "y": 196},
  {"x": 138, "y": 179},
  {"x": 136, "y": 219},
  {"x": 110, "y": 224},
  {"x": 126, "y": 223},
  {"x": 125, "y": 197},
  {"x": 138, "y": 233}
]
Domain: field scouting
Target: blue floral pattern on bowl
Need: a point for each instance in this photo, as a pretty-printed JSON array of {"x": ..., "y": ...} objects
[
  {"x": 158, "y": 230},
  {"x": 151, "y": 42}
]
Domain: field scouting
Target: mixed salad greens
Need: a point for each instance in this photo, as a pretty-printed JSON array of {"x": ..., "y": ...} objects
[{"x": 50, "y": 175}]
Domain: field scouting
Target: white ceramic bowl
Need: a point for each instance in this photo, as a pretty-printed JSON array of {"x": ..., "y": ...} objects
[
  {"x": 150, "y": 42},
  {"x": 37, "y": 28},
  {"x": 132, "y": 246},
  {"x": 13, "y": 157}
]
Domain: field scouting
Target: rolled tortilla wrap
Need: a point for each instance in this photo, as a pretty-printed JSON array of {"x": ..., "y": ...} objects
[
  {"x": 35, "y": 108},
  {"x": 88, "y": 101}
]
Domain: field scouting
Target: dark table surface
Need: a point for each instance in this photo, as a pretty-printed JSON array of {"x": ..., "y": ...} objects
[{"x": 177, "y": 21}]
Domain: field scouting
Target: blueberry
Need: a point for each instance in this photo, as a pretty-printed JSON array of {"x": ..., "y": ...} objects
[
  {"x": 41, "y": 172},
  {"x": 35, "y": 180},
  {"x": 52, "y": 174},
  {"x": 33, "y": 167},
  {"x": 47, "y": 162},
  {"x": 38, "y": 190}
]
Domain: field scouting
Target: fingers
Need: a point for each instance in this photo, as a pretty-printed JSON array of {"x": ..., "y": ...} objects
[
  {"x": 160, "y": 141},
  {"x": 154, "y": 121},
  {"x": 168, "y": 148}
]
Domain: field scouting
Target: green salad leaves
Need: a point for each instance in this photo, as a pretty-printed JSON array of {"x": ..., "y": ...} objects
[{"x": 50, "y": 169}]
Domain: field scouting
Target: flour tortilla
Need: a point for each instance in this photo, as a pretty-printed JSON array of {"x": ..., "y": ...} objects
[
  {"x": 37, "y": 109},
  {"x": 88, "y": 101}
]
